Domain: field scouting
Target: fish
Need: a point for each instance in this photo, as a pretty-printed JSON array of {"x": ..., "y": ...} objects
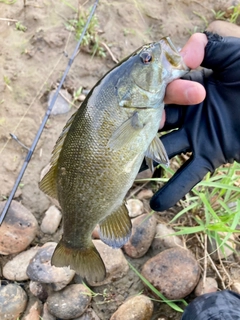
[{"x": 100, "y": 151}]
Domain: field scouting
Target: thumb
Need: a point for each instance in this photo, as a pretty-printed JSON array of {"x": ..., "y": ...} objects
[{"x": 180, "y": 184}]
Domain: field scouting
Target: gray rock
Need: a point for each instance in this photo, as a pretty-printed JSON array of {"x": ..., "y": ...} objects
[
  {"x": 209, "y": 286},
  {"x": 174, "y": 272},
  {"x": 18, "y": 229},
  {"x": 164, "y": 239},
  {"x": 16, "y": 269},
  {"x": 61, "y": 105},
  {"x": 69, "y": 303},
  {"x": 51, "y": 220},
  {"x": 40, "y": 269},
  {"x": 135, "y": 207},
  {"x": 46, "y": 315},
  {"x": 89, "y": 314},
  {"x": 115, "y": 263},
  {"x": 143, "y": 232},
  {"x": 13, "y": 301},
  {"x": 135, "y": 308}
]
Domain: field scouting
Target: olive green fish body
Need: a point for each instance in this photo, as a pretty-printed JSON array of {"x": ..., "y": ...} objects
[{"x": 100, "y": 151}]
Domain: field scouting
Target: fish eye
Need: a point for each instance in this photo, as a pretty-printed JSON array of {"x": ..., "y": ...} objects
[{"x": 146, "y": 57}]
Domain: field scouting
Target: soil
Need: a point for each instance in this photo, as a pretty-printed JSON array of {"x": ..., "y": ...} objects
[{"x": 31, "y": 65}]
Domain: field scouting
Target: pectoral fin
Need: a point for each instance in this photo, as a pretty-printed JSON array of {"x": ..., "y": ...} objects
[
  {"x": 115, "y": 230},
  {"x": 126, "y": 132},
  {"x": 156, "y": 152}
]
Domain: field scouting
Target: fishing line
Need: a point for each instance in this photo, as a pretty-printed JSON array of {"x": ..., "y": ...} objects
[{"x": 47, "y": 114}]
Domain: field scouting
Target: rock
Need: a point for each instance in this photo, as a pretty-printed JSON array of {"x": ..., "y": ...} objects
[
  {"x": 209, "y": 286},
  {"x": 89, "y": 314},
  {"x": 225, "y": 250},
  {"x": 40, "y": 269},
  {"x": 143, "y": 232},
  {"x": 13, "y": 301},
  {"x": 51, "y": 220},
  {"x": 18, "y": 229},
  {"x": 145, "y": 194},
  {"x": 115, "y": 263},
  {"x": 224, "y": 28},
  {"x": 16, "y": 269},
  {"x": 69, "y": 303},
  {"x": 61, "y": 105},
  {"x": 236, "y": 286},
  {"x": 40, "y": 290},
  {"x": 46, "y": 315},
  {"x": 136, "y": 308},
  {"x": 33, "y": 311},
  {"x": 164, "y": 240},
  {"x": 174, "y": 272},
  {"x": 135, "y": 207}
]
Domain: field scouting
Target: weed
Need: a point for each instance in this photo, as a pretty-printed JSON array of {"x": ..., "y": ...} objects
[
  {"x": 107, "y": 296},
  {"x": 91, "y": 41},
  {"x": 230, "y": 14},
  {"x": 7, "y": 82},
  {"x": 20, "y": 27},
  {"x": 8, "y": 1}
]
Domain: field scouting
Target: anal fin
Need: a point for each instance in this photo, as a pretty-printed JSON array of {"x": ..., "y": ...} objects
[
  {"x": 156, "y": 152},
  {"x": 115, "y": 230}
]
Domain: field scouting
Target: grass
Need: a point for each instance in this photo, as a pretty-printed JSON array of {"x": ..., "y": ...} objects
[{"x": 230, "y": 14}]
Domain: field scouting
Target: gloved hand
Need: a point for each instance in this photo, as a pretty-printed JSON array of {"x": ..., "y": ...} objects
[{"x": 211, "y": 129}]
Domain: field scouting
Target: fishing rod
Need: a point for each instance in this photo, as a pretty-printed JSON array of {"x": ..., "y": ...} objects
[{"x": 46, "y": 116}]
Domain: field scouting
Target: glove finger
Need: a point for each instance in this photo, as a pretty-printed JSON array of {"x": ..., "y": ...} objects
[
  {"x": 180, "y": 184},
  {"x": 176, "y": 142}
]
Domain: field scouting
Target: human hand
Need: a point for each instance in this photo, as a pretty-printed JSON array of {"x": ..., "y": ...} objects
[{"x": 210, "y": 129}]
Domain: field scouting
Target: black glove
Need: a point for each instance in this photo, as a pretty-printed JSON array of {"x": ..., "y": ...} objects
[{"x": 211, "y": 129}]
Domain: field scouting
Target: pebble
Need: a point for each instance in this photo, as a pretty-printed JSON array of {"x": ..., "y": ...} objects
[
  {"x": 143, "y": 231},
  {"x": 13, "y": 301},
  {"x": 135, "y": 207},
  {"x": 51, "y": 220},
  {"x": 218, "y": 253},
  {"x": 39, "y": 290},
  {"x": 69, "y": 303},
  {"x": 33, "y": 311},
  {"x": 61, "y": 105},
  {"x": 46, "y": 315},
  {"x": 209, "y": 286},
  {"x": 136, "y": 308},
  {"x": 40, "y": 269},
  {"x": 224, "y": 28},
  {"x": 174, "y": 272},
  {"x": 16, "y": 269},
  {"x": 164, "y": 239},
  {"x": 115, "y": 263},
  {"x": 145, "y": 194},
  {"x": 236, "y": 286},
  {"x": 89, "y": 314},
  {"x": 18, "y": 229}
]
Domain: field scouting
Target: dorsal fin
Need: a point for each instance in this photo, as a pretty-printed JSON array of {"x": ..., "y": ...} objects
[{"x": 48, "y": 184}]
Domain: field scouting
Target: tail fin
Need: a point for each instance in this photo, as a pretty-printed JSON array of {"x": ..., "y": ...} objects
[{"x": 86, "y": 262}]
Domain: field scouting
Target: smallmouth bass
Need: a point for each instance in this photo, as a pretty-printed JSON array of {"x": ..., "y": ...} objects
[{"x": 100, "y": 150}]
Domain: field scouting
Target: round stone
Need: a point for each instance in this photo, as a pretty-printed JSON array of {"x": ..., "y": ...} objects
[
  {"x": 69, "y": 303},
  {"x": 174, "y": 272},
  {"x": 135, "y": 207},
  {"x": 210, "y": 285},
  {"x": 51, "y": 220},
  {"x": 18, "y": 229},
  {"x": 13, "y": 301}
]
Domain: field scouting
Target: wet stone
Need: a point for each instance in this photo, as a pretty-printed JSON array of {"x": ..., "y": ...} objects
[
  {"x": 16, "y": 269},
  {"x": 135, "y": 207},
  {"x": 174, "y": 272},
  {"x": 18, "y": 229},
  {"x": 51, "y": 220},
  {"x": 143, "y": 231},
  {"x": 136, "y": 308},
  {"x": 13, "y": 301},
  {"x": 115, "y": 263},
  {"x": 69, "y": 303},
  {"x": 62, "y": 104},
  {"x": 40, "y": 269},
  {"x": 210, "y": 285},
  {"x": 164, "y": 239}
]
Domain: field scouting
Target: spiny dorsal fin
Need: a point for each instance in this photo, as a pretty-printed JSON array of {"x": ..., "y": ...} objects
[
  {"x": 115, "y": 230},
  {"x": 48, "y": 184},
  {"x": 156, "y": 152}
]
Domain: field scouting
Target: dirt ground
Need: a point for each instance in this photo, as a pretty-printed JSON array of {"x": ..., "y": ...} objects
[{"x": 32, "y": 63}]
